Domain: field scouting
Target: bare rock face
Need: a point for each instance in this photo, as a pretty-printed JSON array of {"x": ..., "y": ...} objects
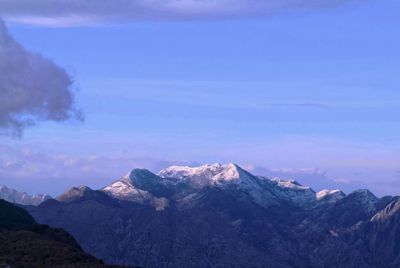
[
  {"x": 223, "y": 216},
  {"x": 74, "y": 194}
]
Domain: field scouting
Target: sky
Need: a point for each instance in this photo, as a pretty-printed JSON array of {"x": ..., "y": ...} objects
[{"x": 304, "y": 90}]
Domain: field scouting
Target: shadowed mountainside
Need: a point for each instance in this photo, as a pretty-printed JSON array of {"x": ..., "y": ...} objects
[
  {"x": 223, "y": 216},
  {"x": 24, "y": 243}
]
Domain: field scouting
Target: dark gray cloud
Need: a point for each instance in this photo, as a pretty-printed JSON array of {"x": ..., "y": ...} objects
[
  {"x": 32, "y": 88},
  {"x": 77, "y": 12}
]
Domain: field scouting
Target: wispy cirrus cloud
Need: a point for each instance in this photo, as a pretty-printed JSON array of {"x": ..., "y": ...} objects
[
  {"x": 77, "y": 12},
  {"x": 32, "y": 88}
]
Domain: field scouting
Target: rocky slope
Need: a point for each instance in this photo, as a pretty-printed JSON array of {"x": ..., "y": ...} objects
[
  {"x": 223, "y": 216},
  {"x": 24, "y": 243}
]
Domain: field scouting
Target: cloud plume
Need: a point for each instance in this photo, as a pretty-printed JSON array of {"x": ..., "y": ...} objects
[
  {"x": 78, "y": 12},
  {"x": 32, "y": 88}
]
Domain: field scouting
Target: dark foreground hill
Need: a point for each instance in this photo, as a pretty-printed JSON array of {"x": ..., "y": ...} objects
[
  {"x": 24, "y": 243},
  {"x": 223, "y": 216}
]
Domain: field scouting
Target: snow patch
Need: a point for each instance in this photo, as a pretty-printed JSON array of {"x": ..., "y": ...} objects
[
  {"x": 203, "y": 175},
  {"x": 330, "y": 196},
  {"x": 125, "y": 189}
]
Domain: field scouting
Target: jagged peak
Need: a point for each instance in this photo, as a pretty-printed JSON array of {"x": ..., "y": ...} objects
[
  {"x": 81, "y": 188},
  {"x": 209, "y": 172},
  {"x": 365, "y": 198},
  {"x": 130, "y": 183},
  {"x": 325, "y": 193},
  {"x": 140, "y": 172},
  {"x": 330, "y": 196},
  {"x": 133, "y": 187},
  {"x": 142, "y": 184},
  {"x": 138, "y": 178},
  {"x": 291, "y": 184},
  {"x": 74, "y": 193},
  {"x": 363, "y": 193},
  {"x": 137, "y": 174},
  {"x": 228, "y": 176}
]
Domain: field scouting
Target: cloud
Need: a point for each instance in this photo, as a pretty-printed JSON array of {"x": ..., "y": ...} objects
[
  {"x": 316, "y": 178},
  {"x": 31, "y": 169},
  {"x": 78, "y": 12},
  {"x": 32, "y": 88}
]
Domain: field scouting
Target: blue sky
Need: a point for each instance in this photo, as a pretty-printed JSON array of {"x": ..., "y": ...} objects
[{"x": 306, "y": 93}]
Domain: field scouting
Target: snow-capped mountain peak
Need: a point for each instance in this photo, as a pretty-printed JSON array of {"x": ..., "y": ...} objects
[
  {"x": 291, "y": 191},
  {"x": 206, "y": 174},
  {"x": 177, "y": 183},
  {"x": 134, "y": 187},
  {"x": 227, "y": 176},
  {"x": 124, "y": 187},
  {"x": 22, "y": 198},
  {"x": 330, "y": 196},
  {"x": 292, "y": 184},
  {"x": 263, "y": 189}
]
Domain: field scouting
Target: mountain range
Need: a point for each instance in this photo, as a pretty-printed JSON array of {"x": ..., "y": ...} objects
[
  {"x": 224, "y": 216},
  {"x": 22, "y": 198}
]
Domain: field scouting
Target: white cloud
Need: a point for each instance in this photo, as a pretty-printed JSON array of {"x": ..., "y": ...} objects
[
  {"x": 32, "y": 88},
  {"x": 27, "y": 167},
  {"x": 78, "y": 12}
]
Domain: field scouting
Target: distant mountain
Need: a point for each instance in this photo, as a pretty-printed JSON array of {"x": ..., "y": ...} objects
[
  {"x": 24, "y": 243},
  {"x": 22, "y": 198},
  {"x": 223, "y": 216}
]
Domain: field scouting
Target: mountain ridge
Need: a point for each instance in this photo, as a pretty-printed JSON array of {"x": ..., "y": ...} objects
[
  {"x": 222, "y": 215},
  {"x": 216, "y": 175},
  {"x": 22, "y": 198}
]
